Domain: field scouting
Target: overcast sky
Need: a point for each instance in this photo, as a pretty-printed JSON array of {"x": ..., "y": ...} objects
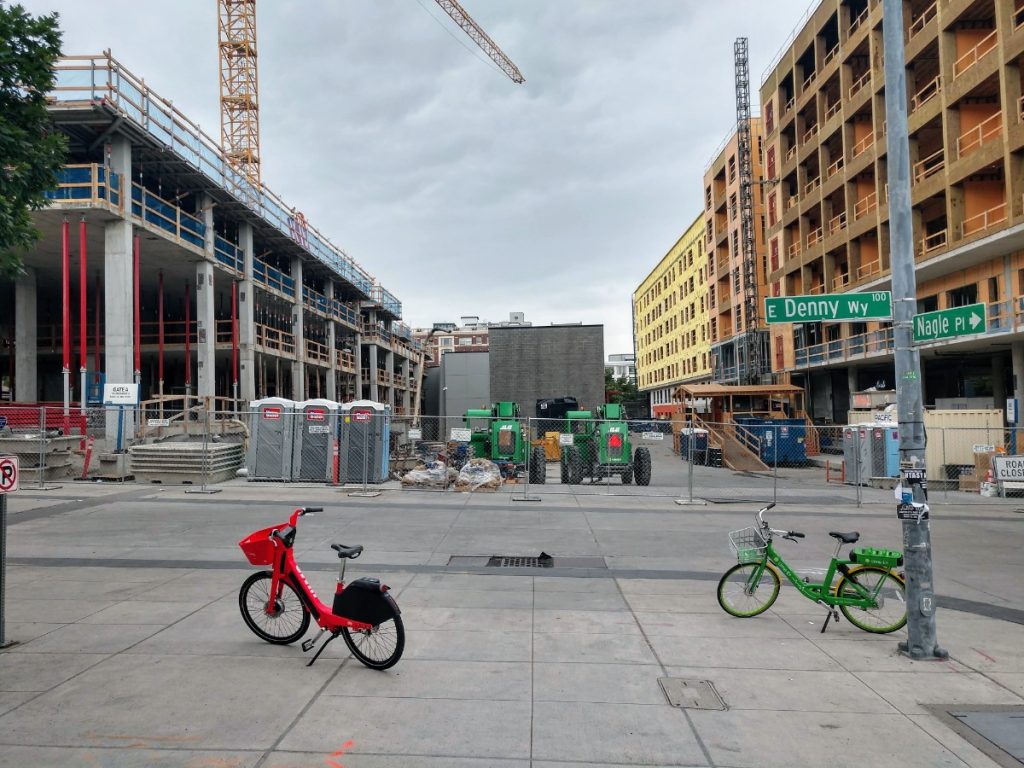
[{"x": 464, "y": 193}]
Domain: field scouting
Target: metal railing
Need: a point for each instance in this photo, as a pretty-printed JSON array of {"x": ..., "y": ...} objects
[
  {"x": 984, "y": 220},
  {"x": 971, "y": 57},
  {"x": 859, "y": 83},
  {"x": 928, "y": 92},
  {"x": 934, "y": 241},
  {"x": 865, "y": 205},
  {"x": 930, "y": 165},
  {"x": 921, "y": 21},
  {"x": 984, "y": 131}
]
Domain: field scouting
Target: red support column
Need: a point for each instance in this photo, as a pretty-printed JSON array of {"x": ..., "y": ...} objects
[
  {"x": 65, "y": 253},
  {"x": 83, "y": 324}
]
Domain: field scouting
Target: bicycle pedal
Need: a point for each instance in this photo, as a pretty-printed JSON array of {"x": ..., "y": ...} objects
[{"x": 308, "y": 644}]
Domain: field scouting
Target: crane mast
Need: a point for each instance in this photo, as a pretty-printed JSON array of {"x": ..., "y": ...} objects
[
  {"x": 750, "y": 364},
  {"x": 239, "y": 86}
]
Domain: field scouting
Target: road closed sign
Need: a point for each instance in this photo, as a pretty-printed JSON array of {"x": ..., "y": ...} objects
[
  {"x": 8, "y": 474},
  {"x": 1008, "y": 469}
]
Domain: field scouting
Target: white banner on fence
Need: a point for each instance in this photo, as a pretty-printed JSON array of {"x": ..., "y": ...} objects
[
  {"x": 564, "y": 439},
  {"x": 652, "y": 435},
  {"x": 461, "y": 435},
  {"x": 415, "y": 434}
]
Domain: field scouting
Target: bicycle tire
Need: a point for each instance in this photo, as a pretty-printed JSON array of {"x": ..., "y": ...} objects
[
  {"x": 725, "y": 594},
  {"x": 856, "y": 616},
  {"x": 257, "y": 619},
  {"x": 358, "y": 641}
]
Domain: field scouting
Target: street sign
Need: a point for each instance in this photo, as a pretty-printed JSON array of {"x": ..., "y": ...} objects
[
  {"x": 120, "y": 394},
  {"x": 8, "y": 474},
  {"x": 950, "y": 323},
  {"x": 1008, "y": 469},
  {"x": 852, "y": 307}
]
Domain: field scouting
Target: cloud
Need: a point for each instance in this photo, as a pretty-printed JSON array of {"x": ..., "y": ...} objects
[{"x": 461, "y": 191}]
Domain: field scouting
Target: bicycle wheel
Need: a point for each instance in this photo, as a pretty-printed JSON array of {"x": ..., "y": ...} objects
[
  {"x": 285, "y": 623},
  {"x": 739, "y": 598},
  {"x": 891, "y": 612},
  {"x": 380, "y": 647}
]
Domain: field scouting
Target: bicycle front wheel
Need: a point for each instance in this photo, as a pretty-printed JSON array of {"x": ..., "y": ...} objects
[
  {"x": 380, "y": 647},
  {"x": 890, "y": 594},
  {"x": 740, "y": 594},
  {"x": 283, "y": 622}
]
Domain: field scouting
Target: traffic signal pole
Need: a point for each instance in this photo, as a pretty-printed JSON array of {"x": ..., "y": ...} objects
[{"x": 913, "y": 509}]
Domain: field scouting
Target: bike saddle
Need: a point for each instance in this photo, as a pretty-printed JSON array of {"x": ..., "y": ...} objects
[
  {"x": 846, "y": 538},
  {"x": 344, "y": 550}
]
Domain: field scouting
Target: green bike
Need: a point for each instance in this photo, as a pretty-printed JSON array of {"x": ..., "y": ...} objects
[{"x": 871, "y": 594}]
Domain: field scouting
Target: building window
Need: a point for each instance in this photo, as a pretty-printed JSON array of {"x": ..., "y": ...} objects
[
  {"x": 770, "y": 163},
  {"x": 961, "y": 297},
  {"x": 771, "y": 210}
]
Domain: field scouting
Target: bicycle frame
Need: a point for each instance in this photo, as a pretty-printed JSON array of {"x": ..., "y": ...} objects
[
  {"x": 286, "y": 570},
  {"x": 819, "y": 592}
]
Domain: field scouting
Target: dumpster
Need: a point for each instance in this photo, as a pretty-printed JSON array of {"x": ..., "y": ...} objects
[
  {"x": 696, "y": 440},
  {"x": 781, "y": 440}
]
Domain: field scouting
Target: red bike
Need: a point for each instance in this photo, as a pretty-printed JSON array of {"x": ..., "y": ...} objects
[{"x": 277, "y": 604}]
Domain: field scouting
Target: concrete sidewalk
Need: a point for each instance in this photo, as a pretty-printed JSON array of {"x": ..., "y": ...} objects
[{"x": 125, "y": 661}]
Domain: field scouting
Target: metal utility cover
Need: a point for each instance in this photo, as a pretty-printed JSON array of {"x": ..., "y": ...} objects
[
  {"x": 691, "y": 694},
  {"x": 1004, "y": 729},
  {"x": 512, "y": 561}
]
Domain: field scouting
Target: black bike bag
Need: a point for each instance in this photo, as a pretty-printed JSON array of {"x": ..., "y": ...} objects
[{"x": 366, "y": 600}]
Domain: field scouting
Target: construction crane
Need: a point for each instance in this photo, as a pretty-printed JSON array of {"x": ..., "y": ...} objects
[
  {"x": 750, "y": 364},
  {"x": 239, "y": 82}
]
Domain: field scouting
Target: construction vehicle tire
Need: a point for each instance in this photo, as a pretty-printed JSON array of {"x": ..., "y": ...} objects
[
  {"x": 538, "y": 466},
  {"x": 642, "y": 466},
  {"x": 575, "y": 466}
]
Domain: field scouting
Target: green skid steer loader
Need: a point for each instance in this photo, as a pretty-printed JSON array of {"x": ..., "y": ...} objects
[{"x": 601, "y": 448}]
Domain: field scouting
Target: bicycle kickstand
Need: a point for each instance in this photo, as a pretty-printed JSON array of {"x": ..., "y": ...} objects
[
  {"x": 326, "y": 643},
  {"x": 832, "y": 614}
]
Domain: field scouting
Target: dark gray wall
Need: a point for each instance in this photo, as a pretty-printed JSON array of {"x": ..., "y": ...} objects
[
  {"x": 529, "y": 364},
  {"x": 432, "y": 392},
  {"x": 466, "y": 376}
]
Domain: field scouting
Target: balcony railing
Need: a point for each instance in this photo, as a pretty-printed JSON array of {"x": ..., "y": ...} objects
[
  {"x": 814, "y": 237},
  {"x": 930, "y": 165},
  {"x": 855, "y": 24},
  {"x": 791, "y": 153},
  {"x": 983, "y": 132},
  {"x": 274, "y": 340},
  {"x": 860, "y": 82},
  {"x": 794, "y": 249},
  {"x": 837, "y": 223},
  {"x": 816, "y": 289},
  {"x": 840, "y": 281},
  {"x": 791, "y": 201},
  {"x": 812, "y": 185},
  {"x": 932, "y": 89},
  {"x": 264, "y": 274},
  {"x": 88, "y": 183},
  {"x": 317, "y": 352},
  {"x": 809, "y": 79},
  {"x": 871, "y": 268},
  {"x": 154, "y": 210},
  {"x": 809, "y": 134},
  {"x": 1018, "y": 16},
  {"x": 972, "y": 56},
  {"x": 934, "y": 241},
  {"x": 979, "y": 222},
  {"x": 863, "y": 145},
  {"x": 835, "y": 168},
  {"x": 831, "y": 55},
  {"x": 833, "y": 109},
  {"x": 921, "y": 21},
  {"x": 865, "y": 205},
  {"x": 228, "y": 254}
]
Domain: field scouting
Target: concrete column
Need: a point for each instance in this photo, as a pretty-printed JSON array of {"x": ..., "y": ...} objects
[
  {"x": 206, "y": 331},
  {"x": 299, "y": 366},
  {"x": 851, "y": 379},
  {"x": 374, "y": 388},
  {"x": 999, "y": 381},
  {"x": 357, "y": 351},
  {"x": 332, "y": 340},
  {"x": 406, "y": 392},
  {"x": 26, "y": 341},
  {"x": 246, "y": 322},
  {"x": 389, "y": 366}
]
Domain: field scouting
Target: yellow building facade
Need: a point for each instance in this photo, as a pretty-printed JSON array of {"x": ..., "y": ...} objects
[{"x": 670, "y": 321}]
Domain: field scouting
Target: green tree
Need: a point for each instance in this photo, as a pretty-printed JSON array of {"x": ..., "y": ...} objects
[
  {"x": 31, "y": 152},
  {"x": 618, "y": 390}
]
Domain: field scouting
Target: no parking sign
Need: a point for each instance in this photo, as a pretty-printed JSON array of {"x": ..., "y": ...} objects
[{"x": 8, "y": 474}]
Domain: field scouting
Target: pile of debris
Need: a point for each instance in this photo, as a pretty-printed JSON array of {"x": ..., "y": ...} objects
[
  {"x": 437, "y": 474},
  {"x": 479, "y": 475}
]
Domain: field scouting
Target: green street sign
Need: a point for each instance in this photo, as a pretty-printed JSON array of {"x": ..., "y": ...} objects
[
  {"x": 827, "y": 308},
  {"x": 950, "y": 323}
]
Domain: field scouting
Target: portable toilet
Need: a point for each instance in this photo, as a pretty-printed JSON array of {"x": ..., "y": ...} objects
[
  {"x": 885, "y": 451},
  {"x": 857, "y": 453},
  {"x": 364, "y": 433},
  {"x": 270, "y": 439},
  {"x": 316, "y": 429}
]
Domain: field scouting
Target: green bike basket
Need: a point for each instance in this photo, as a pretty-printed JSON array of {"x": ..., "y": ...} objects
[{"x": 886, "y": 558}]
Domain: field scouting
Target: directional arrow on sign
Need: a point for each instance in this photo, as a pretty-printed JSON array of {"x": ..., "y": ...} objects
[{"x": 975, "y": 319}]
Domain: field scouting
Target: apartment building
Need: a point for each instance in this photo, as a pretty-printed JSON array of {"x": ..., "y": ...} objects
[
  {"x": 828, "y": 230},
  {"x": 670, "y": 321},
  {"x": 723, "y": 245},
  {"x": 469, "y": 335}
]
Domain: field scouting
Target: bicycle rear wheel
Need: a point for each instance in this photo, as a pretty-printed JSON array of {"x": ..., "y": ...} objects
[
  {"x": 380, "y": 647},
  {"x": 285, "y": 622},
  {"x": 891, "y": 611},
  {"x": 740, "y": 596}
]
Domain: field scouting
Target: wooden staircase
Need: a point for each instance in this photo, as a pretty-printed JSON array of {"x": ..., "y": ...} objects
[{"x": 735, "y": 454}]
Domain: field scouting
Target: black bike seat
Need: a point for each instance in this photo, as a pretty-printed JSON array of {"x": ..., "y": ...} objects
[
  {"x": 846, "y": 538},
  {"x": 344, "y": 550}
]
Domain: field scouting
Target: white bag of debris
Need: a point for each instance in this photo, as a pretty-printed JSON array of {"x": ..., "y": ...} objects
[
  {"x": 436, "y": 475},
  {"x": 479, "y": 474}
]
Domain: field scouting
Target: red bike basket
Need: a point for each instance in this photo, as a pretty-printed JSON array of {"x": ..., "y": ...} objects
[{"x": 258, "y": 546}]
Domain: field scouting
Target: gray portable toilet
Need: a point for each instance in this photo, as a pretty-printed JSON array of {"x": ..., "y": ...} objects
[
  {"x": 270, "y": 439},
  {"x": 857, "y": 453},
  {"x": 316, "y": 429},
  {"x": 364, "y": 429}
]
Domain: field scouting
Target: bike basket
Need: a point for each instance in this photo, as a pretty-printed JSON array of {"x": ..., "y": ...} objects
[
  {"x": 258, "y": 546},
  {"x": 748, "y": 544},
  {"x": 887, "y": 558}
]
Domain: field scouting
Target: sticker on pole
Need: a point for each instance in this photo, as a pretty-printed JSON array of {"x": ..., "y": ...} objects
[
  {"x": 271, "y": 414},
  {"x": 8, "y": 474},
  {"x": 461, "y": 435}
]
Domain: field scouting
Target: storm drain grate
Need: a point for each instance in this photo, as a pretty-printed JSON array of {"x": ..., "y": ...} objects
[
  {"x": 691, "y": 694},
  {"x": 512, "y": 561}
]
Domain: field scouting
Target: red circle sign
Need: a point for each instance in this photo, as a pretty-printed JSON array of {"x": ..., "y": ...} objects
[{"x": 8, "y": 474}]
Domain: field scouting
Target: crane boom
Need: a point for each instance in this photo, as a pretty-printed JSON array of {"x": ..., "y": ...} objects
[
  {"x": 239, "y": 86},
  {"x": 478, "y": 36}
]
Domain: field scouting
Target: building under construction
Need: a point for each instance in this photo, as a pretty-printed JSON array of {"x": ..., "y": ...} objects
[{"x": 161, "y": 263}]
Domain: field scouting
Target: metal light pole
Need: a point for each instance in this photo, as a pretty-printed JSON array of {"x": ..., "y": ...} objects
[{"x": 921, "y": 642}]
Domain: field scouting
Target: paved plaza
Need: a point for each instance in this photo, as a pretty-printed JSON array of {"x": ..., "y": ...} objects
[{"x": 123, "y": 600}]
